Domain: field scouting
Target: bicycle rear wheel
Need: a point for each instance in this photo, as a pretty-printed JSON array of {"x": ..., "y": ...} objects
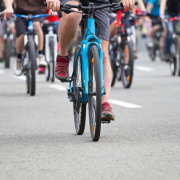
[
  {"x": 178, "y": 55},
  {"x": 127, "y": 68},
  {"x": 31, "y": 68},
  {"x": 173, "y": 61},
  {"x": 7, "y": 53},
  {"x": 94, "y": 97},
  {"x": 79, "y": 108},
  {"x": 51, "y": 46}
]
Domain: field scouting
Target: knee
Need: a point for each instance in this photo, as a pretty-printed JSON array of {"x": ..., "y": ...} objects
[
  {"x": 72, "y": 18},
  {"x": 105, "y": 57},
  {"x": 37, "y": 26}
]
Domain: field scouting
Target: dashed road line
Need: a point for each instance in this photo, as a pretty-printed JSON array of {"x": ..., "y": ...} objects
[
  {"x": 124, "y": 104},
  {"x": 142, "y": 68},
  {"x": 2, "y": 72},
  {"x": 58, "y": 87}
]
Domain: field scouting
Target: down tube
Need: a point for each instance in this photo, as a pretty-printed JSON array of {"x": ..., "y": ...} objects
[{"x": 101, "y": 71}]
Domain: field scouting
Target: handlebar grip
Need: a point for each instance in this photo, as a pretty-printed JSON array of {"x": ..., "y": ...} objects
[
  {"x": 136, "y": 3},
  {"x": 45, "y": 4}
]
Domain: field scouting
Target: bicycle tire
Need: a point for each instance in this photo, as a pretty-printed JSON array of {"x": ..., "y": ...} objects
[
  {"x": 173, "y": 58},
  {"x": 47, "y": 72},
  {"x": 94, "y": 104},
  {"x": 51, "y": 46},
  {"x": 127, "y": 81},
  {"x": 79, "y": 109},
  {"x": 178, "y": 56},
  {"x": 7, "y": 53},
  {"x": 32, "y": 68}
]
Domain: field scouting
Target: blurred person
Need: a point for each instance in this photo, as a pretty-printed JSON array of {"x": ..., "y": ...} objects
[
  {"x": 153, "y": 8},
  {"x": 169, "y": 8},
  {"x": 25, "y": 7},
  {"x": 6, "y": 8}
]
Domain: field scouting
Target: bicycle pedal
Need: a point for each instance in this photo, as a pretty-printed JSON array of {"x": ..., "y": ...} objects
[
  {"x": 71, "y": 96},
  {"x": 105, "y": 121},
  {"x": 67, "y": 80}
]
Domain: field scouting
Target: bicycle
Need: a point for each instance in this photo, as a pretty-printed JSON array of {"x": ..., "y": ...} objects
[
  {"x": 120, "y": 47},
  {"x": 87, "y": 77},
  {"x": 30, "y": 53},
  {"x": 175, "y": 45},
  {"x": 50, "y": 50},
  {"x": 8, "y": 43}
]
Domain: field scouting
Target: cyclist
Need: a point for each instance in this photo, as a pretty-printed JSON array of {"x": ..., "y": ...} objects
[
  {"x": 6, "y": 8},
  {"x": 28, "y": 7},
  {"x": 172, "y": 9},
  {"x": 153, "y": 8},
  {"x": 68, "y": 27}
]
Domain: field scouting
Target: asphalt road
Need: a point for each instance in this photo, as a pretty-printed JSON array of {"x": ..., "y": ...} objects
[{"x": 38, "y": 139}]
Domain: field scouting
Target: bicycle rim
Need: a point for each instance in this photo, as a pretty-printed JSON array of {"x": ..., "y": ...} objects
[
  {"x": 79, "y": 109},
  {"x": 94, "y": 98}
]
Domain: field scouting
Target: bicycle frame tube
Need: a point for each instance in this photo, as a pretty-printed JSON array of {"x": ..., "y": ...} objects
[
  {"x": 84, "y": 53},
  {"x": 30, "y": 26}
]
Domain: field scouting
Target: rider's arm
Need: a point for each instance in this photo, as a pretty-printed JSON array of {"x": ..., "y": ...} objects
[
  {"x": 149, "y": 7},
  {"x": 141, "y": 5},
  {"x": 8, "y": 12},
  {"x": 162, "y": 8}
]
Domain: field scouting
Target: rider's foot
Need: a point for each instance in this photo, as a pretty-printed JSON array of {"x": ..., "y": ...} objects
[
  {"x": 42, "y": 62},
  {"x": 62, "y": 68},
  {"x": 18, "y": 67},
  {"x": 166, "y": 57},
  {"x": 106, "y": 112}
]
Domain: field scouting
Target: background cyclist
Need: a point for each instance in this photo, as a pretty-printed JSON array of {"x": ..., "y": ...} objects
[{"x": 28, "y": 7}]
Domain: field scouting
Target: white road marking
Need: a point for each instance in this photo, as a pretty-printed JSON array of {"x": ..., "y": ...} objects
[
  {"x": 58, "y": 87},
  {"x": 1, "y": 72},
  {"x": 124, "y": 104},
  {"x": 23, "y": 78},
  {"x": 142, "y": 68}
]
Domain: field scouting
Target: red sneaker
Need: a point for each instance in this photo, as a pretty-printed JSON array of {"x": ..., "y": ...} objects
[
  {"x": 62, "y": 68},
  {"x": 106, "y": 112}
]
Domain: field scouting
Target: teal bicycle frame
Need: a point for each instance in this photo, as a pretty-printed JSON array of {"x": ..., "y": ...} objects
[{"x": 86, "y": 44}]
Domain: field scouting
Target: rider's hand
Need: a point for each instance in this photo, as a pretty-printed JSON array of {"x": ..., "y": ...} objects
[
  {"x": 8, "y": 12},
  {"x": 53, "y": 4},
  {"x": 128, "y": 4}
]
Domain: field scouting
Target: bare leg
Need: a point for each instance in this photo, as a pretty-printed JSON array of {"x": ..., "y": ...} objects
[
  {"x": 20, "y": 44},
  {"x": 1, "y": 46},
  {"x": 68, "y": 28},
  {"x": 113, "y": 30},
  {"x": 106, "y": 71},
  {"x": 38, "y": 29}
]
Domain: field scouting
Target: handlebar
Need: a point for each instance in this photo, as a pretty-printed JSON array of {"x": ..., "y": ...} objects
[{"x": 67, "y": 7}]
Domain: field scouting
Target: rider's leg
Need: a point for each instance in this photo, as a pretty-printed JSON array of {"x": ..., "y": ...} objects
[
  {"x": 162, "y": 39},
  {"x": 68, "y": 27},
  {"x": 38, "y": 29},
  {"x": 106, "y": 71},
  {"x": 113, "y": 30},
  {"x": 1, "y": 47}
]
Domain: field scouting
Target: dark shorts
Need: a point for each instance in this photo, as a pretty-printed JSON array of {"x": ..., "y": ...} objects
[
  {"x": 156, "y": 21},
  {"x": 21, "y": 24},
  {"x": 102, "y": 18}
]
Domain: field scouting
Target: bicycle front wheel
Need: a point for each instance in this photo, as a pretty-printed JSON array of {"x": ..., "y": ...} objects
[
  {"x": 51, "y": 46},
  {"x": 94, "y": 97},
  {"x": 31, "y": 68},
  {"x": 78, "y": 107},
  {"x": 128, "y": 64}
]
